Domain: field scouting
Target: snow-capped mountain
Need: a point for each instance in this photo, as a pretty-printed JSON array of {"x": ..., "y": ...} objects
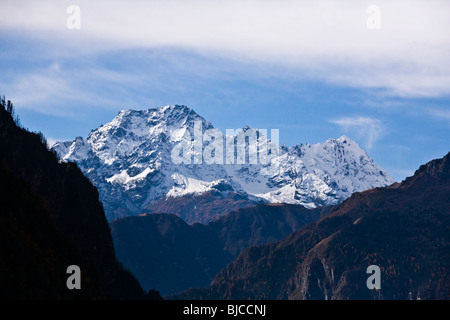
[{"x": 132, "y": 162}]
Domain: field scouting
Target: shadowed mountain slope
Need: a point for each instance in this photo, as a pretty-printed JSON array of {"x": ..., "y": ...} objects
[
  {"x": 404, "y": 229},
  {"x": 166, "y": 253},
  {"x": 52, "y": 218}
]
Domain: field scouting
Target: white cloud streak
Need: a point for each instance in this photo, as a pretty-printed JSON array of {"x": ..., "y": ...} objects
[
  {"x": 365, "y": 128},
  {"x": 439, "y": 114},
  {"x": 328, "y": 40}
]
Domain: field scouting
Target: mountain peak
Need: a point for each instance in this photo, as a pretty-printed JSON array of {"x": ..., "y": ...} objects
[
  {"x": 177, "y": 108},
  {"x": 436, "y": 167},
  {"x": 130, "y": 161},
  {"x": 166, "y": 111},
  {"x": 345, "y": 139},
  {"x": 147, "y": 124},
  {"x": 432, "y": 172}
]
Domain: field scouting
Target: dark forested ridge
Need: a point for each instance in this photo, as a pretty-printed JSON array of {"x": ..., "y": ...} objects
[
  {"x": 51, "y": 217},
  {"x": 404, "y": 229},
  {"x": 33, "y": 256}
]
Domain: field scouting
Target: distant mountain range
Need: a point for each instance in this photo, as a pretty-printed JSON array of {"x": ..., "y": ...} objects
[
  {"x": 404, "y": 229},
  {"x": 130, "y": 161}
]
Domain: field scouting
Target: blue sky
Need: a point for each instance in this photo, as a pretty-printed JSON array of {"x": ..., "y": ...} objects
[{"x": 313, "y": 70}]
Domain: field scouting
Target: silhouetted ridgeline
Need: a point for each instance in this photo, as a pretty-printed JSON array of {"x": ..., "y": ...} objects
[{"x": 51, "y": 218}]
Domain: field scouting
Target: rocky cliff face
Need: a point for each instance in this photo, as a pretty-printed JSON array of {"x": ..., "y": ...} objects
[{"x": 130, "y": 161}]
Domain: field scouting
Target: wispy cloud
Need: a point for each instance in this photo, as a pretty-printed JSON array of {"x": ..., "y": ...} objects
[
  {"x": 47, "y": 90},
  {"x": 440, "y": 114},
  {"x": 67, "y": 90},
  {"x": 328, "y": 40},
  {"x": 365, "y": 128}
]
